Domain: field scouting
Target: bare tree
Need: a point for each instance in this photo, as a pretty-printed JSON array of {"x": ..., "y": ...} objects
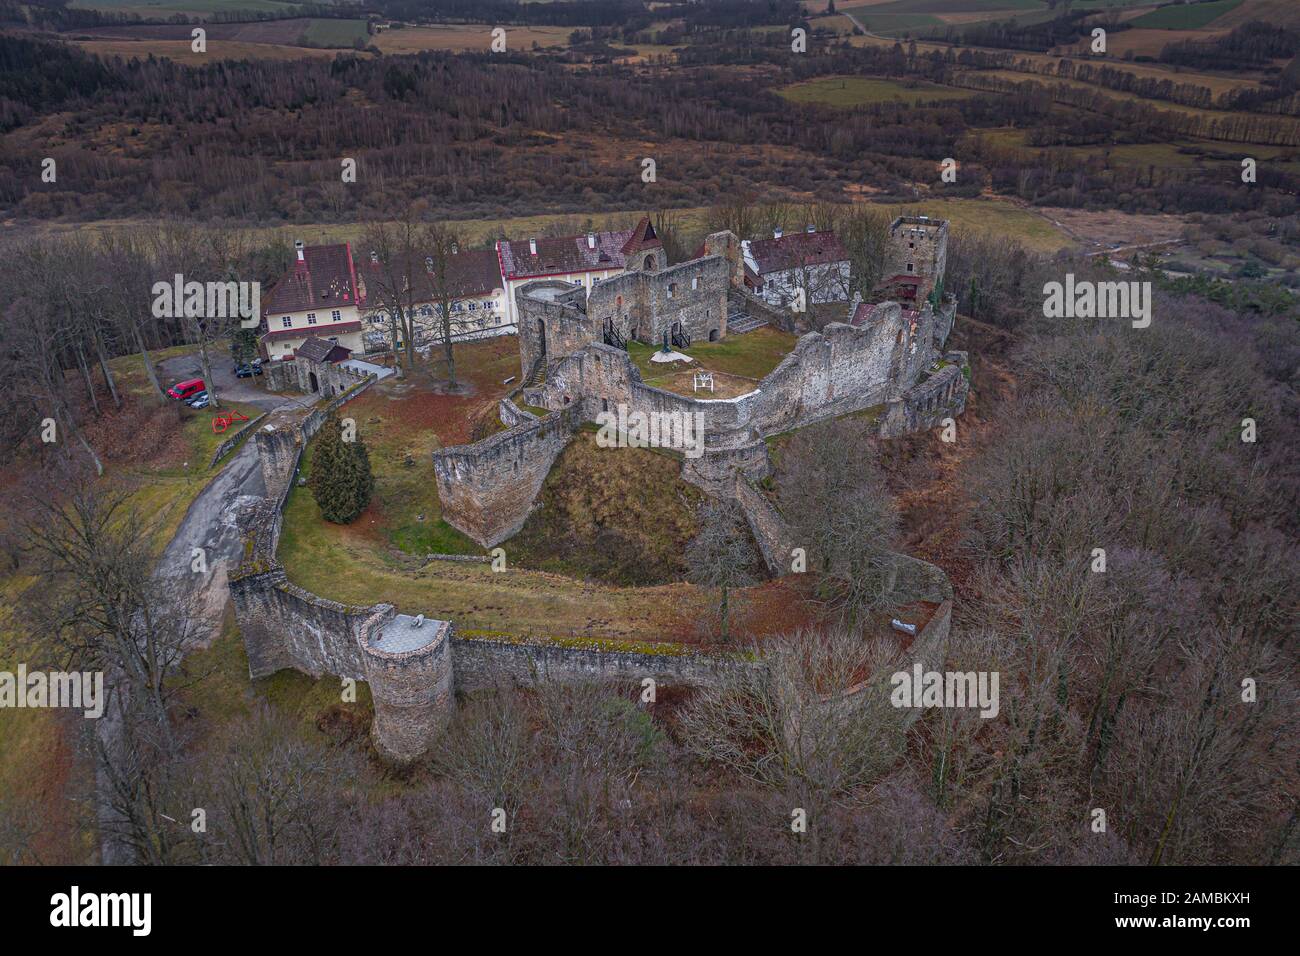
[
  {"x": 834, "y": 497},
  {"x": 718, "y": 557}
]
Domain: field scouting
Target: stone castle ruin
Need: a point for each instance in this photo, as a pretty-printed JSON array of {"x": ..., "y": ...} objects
[
  {"x": 572, "y": 354},
  {"x": 574, "y": 365}
]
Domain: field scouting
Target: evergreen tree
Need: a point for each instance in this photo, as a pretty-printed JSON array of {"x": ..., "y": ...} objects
[{"x": 340, "y": 481}]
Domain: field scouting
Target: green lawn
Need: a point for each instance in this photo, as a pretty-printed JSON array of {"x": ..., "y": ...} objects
[
  {"x": 752, "y": 355},
  {"x": 848, "y": 91},
  {"x": 1187, "y": 16}
]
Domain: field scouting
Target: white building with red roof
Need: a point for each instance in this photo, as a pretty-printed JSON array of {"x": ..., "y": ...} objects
[
  {"x": 815, "y": 262},
  {"x": 317, "y": 296}
]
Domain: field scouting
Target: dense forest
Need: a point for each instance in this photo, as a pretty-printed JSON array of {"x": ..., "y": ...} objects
[{"x": 493, "y": 135}]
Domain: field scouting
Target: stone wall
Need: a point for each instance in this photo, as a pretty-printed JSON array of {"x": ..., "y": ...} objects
[
  {"x": 487, "y": 489},
  {"x": 484, "y": 663},
  {"x": 227, "y": 446},
  {"x": 690, "y": 297},
  {"x": 330, "y": 378},
  {"x": 552, "y": 321},
  {"x": 285, "y": 626},
  {"x": 941, "y": 395}
]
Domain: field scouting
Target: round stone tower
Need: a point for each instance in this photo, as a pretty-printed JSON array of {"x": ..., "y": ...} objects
[{"x": 408, "y": 667}]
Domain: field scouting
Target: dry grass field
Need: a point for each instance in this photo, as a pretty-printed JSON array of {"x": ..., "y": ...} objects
[{"x": 467, "y": 36}]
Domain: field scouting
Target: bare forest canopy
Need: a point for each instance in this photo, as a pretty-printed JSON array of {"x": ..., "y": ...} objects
[{"x": 510, "y": 134}]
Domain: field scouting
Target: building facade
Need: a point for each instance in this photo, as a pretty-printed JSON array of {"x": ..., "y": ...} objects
[
  {"x": 478, "y": 304},
  {"x": 811, "y": 261},
  {"x": 317, "y": 296}
]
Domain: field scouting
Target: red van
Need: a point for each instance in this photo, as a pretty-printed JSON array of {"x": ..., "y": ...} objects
[{"x": 187, "y": 388}]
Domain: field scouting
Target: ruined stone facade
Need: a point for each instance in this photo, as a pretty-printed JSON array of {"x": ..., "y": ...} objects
[{"x": 487, "y": 489}]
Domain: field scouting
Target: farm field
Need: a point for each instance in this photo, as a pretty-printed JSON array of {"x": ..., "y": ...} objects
[
  {"x": 316, "y": 31},
  {"x": 467, "y": 36},
  {"x": 1186, "y": 16},
  {"x": 192, "y": 8},
  {"x": 848, "y": 91},
  {"x": 1184, "y": 153}
]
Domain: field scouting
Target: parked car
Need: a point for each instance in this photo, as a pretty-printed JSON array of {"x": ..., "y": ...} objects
[
  {"x": 200, "y": 401},
  {"x": 186, "y": 389},
  {"x": 247, "y": 371},
  {"x": 196, "y": 397}
]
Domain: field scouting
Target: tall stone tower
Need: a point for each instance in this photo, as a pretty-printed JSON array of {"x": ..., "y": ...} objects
[{"x": 916, "y": 256}]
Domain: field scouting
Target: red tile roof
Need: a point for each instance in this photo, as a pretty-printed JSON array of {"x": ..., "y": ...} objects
[
  {"x": 338, "y": 328},
  {"x": 796, "y": 250},
  {"x": 571, "y": 254},
  {"x": 470, "y": 273},
  {"x": 323, "y": 278}
]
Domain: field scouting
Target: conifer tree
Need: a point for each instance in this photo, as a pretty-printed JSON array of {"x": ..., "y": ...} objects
[{"x": 340, "y": 481}]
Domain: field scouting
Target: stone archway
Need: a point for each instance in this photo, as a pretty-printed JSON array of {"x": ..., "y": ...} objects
[{"x": 313, "y": 381}]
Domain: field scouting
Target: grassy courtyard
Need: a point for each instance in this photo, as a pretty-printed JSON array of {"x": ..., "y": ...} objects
[{"x": 749, "y": 356}]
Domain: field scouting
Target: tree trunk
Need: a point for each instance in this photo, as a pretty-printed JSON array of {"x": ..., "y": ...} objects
[
  {"x": 107, "y": 372},
  {"x": 148, "y": 365},
  {"x": 85, "y": 377}
]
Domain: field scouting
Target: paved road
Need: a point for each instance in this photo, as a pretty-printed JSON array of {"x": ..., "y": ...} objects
[{"x": 212, "y": 524}]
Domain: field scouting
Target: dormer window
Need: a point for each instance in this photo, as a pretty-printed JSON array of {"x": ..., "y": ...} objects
[
  {"x": 311, "y": 318},
  {"x": 336, "y": 316},
  {"x": 287, "y": 322}
]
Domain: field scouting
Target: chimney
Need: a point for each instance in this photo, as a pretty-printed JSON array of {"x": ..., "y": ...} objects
[
  {"x": 532, "y": 247},
  {"x": 811, "y": 228},
  {"x": 776, "y": 233},
  {"x": 591, "y": 240},
  {"x": 374, "y": 256},
  {"x": 428, "y": 263},
  {"x": 297, "y": 245},
  {"x": 454, "y": 248}
]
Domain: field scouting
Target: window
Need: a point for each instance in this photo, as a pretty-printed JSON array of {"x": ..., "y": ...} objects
[
  {"x": 911, "y": 245},
  {"x": 334, "y": 338},
  {"x": 672, "y": 289},
  {"x": 336, "y": 316},
  {"x": 695, "y": 282},
  {"x": 489, "y": 304},
  {"x": 311, "y": 318},
  {"x": 910, "y": 267},
  {"x": 473, "y": 306},
  {"x": 286, "y": 322},
  {"x": 457, "y": 307}
]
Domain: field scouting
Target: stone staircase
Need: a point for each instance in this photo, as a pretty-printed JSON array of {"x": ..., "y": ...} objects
[{"x": 747, "y": 312}]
